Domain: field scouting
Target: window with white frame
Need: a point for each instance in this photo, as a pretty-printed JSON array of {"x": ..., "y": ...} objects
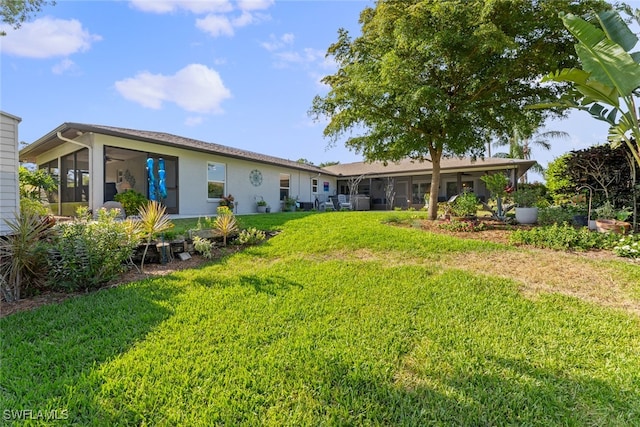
[
  {"x": 216, "y": 180},
  {"x": 285, "y": 183},
  {"x": 418, "y": 191},
  {"x": 314, "y": 185}
]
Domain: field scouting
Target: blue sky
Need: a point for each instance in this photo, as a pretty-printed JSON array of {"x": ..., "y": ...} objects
[{"x": 237, "y": 73}]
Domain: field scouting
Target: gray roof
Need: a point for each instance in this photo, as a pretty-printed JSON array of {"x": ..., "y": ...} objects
[
  {"x": 413, "y": 167},
  {"x": 370, "y": 169},
  {"x": 71, "y": 130}
]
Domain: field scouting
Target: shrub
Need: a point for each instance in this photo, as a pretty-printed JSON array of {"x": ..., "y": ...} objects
[
  {"x": 628, "y": 246},
  {"x": 131, "y": 201},
  {"x": 466, "y": 204},
  {"x": 526, "y": 197},
  {"x": 86, "y": 254},
  {"x": 562, "y": 237},
  {"x": 251, "y": 236},
  {"x": 21, "y": 256},
  {"x": 203, "y": 246},
  {"x": 36, "y": 207},
  {"x": 464, "y": 226},
  {"x": 33, "y": 184},
  {"x": 558, "y": 214}
]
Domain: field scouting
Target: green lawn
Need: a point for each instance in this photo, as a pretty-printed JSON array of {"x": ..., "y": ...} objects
[{"x": 338, "y": 320}]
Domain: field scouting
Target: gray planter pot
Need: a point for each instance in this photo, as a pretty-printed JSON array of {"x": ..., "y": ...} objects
[
  {"x": 262, "y": 209},
  {"x": 527, "y": 215}
]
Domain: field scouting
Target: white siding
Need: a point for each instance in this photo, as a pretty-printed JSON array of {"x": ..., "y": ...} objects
[{"x": 9, "y": 196}]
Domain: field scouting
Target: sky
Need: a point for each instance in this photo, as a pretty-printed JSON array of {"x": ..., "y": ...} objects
[{"x": 241, "y": 73}]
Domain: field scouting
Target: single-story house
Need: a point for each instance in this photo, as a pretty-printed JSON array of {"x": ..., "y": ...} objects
[
  {"x": 95, "y": 162},
  {"x": 410, "y": 179},
  {"x": 9, "y": 195}
]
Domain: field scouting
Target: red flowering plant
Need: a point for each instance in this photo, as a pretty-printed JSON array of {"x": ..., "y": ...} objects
[{"x": 227, "y": 201}]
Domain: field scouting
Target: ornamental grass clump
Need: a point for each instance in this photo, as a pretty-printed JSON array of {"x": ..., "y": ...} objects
[
  {"x": 153, "y": 221},
  {"x": 225, "y": 223}
]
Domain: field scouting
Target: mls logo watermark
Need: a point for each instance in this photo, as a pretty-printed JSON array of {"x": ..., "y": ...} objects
[{"x": 30, "y": 414}]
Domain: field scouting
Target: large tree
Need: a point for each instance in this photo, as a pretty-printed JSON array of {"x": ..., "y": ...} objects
[
  {"x": 430, "y": 78},
  {"x": 15, "y": 12}
]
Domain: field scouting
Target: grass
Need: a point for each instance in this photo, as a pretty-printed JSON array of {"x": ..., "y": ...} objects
[{"x": 338, "y": 320}]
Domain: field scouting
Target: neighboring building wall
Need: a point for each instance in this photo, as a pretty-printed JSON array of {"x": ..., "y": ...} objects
[{"x": 9, "y": 195}]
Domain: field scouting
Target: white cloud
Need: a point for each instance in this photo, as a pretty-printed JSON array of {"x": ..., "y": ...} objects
[
  {"x": 255, "y": 4},
  {"x": 193, "y": 6},
  {"x": 195, "y": 88},
  {"x": 243, "y": 20},
  {"x": 218, "y": 20},
  {"x": 276, "y": 43},
  {"x": 47, "y": 38},
  {"x": 287, "y": 38},
  {"x": 215, "y": 25},
  {"x": 194, "y": 121},
  {"x": 63, "y": 66}
]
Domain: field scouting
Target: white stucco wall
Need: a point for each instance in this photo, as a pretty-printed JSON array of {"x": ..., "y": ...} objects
[
  {"x": 192, "y": 178},
  {"x": 9, "y": 195}
]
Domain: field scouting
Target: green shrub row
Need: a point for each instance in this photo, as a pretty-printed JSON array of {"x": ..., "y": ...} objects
[{"x": 562, "y": 237}]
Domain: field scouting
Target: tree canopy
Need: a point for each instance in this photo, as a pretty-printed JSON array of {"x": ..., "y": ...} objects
[
  {"x": 15, "y": 12},
  {"x": 429, "y": 78}
]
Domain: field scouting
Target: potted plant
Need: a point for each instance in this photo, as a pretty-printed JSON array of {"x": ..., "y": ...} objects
[
  {"x": 262, "y": 205},
  {"x": 526, "y": 200},
  {"x": 465, "y": 205},
  {"x": 610, "y": 219},
  {"x": 289, "y": 204},
  {"x": 227, "y": 201}
]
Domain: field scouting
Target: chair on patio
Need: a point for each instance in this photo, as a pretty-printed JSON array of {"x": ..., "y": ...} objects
[
  {"x": 328, "y": 205},
  {"x": 342, "y": 202}
]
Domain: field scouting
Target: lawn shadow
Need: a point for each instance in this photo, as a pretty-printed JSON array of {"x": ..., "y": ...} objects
[
  {"x": 64, "y": 342},
  {"x": 352, "y": 395},
  {"x": 271, "y": 285}
]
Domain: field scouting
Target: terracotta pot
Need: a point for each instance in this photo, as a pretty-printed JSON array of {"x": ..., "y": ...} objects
[{"x": 612, "y": 225}]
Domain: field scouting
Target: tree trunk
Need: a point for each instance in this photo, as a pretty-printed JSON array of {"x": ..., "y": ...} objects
[{"x": 435, "y": 183}]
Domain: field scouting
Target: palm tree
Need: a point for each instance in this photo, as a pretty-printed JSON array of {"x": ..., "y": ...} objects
[{"x": 520, "y": 145}]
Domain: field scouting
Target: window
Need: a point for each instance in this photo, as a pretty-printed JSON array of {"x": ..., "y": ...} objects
[
  {"x": 314, "y": 185},
  {"x": 74, "y": 179},
  {"x": 418, "y": 190},
  {"x": 216, "y": 178},
  {"x": 285, "y": 181},
  {"x": 452, "y": 188},
  {"x": 52, "y": 169}
]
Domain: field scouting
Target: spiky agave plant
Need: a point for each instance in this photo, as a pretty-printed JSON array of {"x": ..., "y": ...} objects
[
  {"x": 225, "y": 223},
  {"x": 21, "y": 255},
  {"x": 153, "y": 220}
]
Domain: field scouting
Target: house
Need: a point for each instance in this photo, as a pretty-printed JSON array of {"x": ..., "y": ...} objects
[
  {"x": 93, "y": 163},
  {"x": 410, "y": 179},
  {"x": 9, "y": 194}
]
